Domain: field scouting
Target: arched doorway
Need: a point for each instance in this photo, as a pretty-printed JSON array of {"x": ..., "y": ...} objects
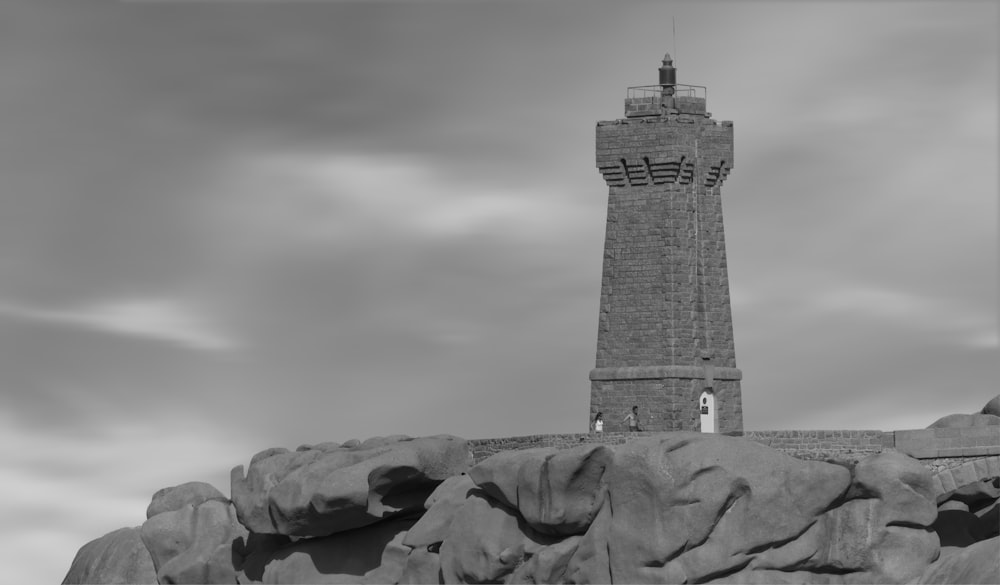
[{"x": 707, "y": 408}]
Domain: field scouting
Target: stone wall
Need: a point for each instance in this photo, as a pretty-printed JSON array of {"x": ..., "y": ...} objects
[
  {"x": 843, "y": 445},
  {"x": 824, "y": 444},
  {"x": 949, "y": 442},
  {"x": 952, "y": 472},
  {"x": 849, "y": 445}
]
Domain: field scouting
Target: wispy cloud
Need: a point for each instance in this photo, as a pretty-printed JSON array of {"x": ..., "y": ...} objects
[
  {"x": 114, "y": 468},
  {"x": 165, "y": 320},
  {"x": 327, "y": 197}
]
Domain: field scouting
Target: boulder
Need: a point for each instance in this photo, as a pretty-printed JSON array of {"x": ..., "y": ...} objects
[
  {"x": 992, "y": 407},
  {"x": 324, "y": 446},
  {"x": 555, "y": 491},
  {"x": 976, "y": 494},
  {"x": 442, "y": 505},
  {"x": 877, "y": 534},
  {"x": 548, "y": 564},
  {"x": 962, "y": 421},
  {"x": 115, "y": 558},
  {"x": 321, "y": 492},
  {"x": 354, "y": 556},
  {"x": 422, "y": 566},
  {"x": 484, "y": 542},
  {"x": 176, "y": 497},
  {"x": 688, "y": 507},
  {"x": 194, "y": 544},
  {"x": 975, "y": 564},
  {"x": 267, "y": 469},
  {"x": 591, "y": 561},
  {"x": 487, "y": 541},
  {"x": 902, "y": 510}
]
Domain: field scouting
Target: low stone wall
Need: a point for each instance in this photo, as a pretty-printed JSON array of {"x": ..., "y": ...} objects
[
  {"x": 949, "y": 442},
  {"x": 940, "y": 449},
  {"x": 849, "y": 445},
  {"x": 952, "y": 472},
  {"x": 824, "y": 444}
]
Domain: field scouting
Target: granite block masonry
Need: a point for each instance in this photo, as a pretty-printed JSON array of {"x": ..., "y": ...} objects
[{"x": 665, "y": 331}]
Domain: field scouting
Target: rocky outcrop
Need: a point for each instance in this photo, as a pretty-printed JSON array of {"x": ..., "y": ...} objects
[
  {"x": 672, "y": 508},
  {"x": 687, "y": 507}
]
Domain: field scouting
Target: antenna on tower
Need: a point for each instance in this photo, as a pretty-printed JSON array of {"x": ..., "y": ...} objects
[{"x": 673, "y": 25}]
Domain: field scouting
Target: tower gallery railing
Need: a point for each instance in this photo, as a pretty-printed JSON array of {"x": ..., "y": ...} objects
[{"x": 656, "y": 91}]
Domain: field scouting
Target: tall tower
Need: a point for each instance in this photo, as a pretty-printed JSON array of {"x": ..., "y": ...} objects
[{"x": 665, "y": 333}]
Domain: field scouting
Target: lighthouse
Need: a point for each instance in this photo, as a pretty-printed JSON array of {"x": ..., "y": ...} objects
[{"x": 665, "y": 328}]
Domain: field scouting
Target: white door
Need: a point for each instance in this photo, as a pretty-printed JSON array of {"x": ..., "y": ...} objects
[{"x": 707, "y": 408}]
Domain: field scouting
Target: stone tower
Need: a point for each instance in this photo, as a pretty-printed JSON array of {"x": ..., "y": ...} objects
[{"x": 665, "y": 333}]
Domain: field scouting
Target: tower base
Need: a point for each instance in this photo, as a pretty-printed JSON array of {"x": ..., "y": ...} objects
[{"x": 668, "y": 397}]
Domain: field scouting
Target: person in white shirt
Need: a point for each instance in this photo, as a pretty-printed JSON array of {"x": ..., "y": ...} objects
[{"x": 598, "y": 425}]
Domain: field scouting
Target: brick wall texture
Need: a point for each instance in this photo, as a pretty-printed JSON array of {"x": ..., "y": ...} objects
[
  {"x": 665, "y": 286},
  {"x": 842, "y": 445}
]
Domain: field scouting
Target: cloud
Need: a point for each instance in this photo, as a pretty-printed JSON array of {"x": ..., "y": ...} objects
[
  {"x": 63, "y": 488},
  {"x": 965, "y": 325},
  {"x": 165, "y": 320},
  {"x": 326, "y": 198},
  {"x": 806, "y": 299}
]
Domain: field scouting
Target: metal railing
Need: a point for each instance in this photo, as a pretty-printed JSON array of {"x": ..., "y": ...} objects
[{"x": 655, "y": 91}]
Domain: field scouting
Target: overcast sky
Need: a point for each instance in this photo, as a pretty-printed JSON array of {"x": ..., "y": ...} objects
[{"x": 226, "y": 226}]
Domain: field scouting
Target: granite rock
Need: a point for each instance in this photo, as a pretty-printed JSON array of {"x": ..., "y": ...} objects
[
  {"x": 116, "y": 558},
  {"x": 979, "y": 563},
  {"x": 442, "y": 505},
  {"x": 555, "y": 491},
  {"x": 487, "y": 540},
  {"x": 969, "y": 513},
  {"x": 372, "y": 553},
  {"x": 194, "y": 544},
  {"x": 692, "y": 507},
  {"x": 675, "y": 507},
  {"x": 319, "y": 492},
  {"x": 992, "y": 407},
  {"x": 176, "y": 497},
  {"x": 963, "y": 421}
]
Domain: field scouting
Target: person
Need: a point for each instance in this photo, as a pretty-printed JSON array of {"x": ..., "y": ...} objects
[
  {"x": 598, "y": 424},
  {"x": 633, "y": 420}
]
